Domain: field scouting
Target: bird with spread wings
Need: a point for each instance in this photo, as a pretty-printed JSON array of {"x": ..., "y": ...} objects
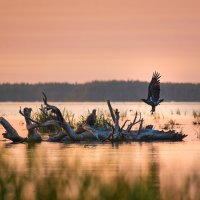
[{"x": 154, "y": 92}]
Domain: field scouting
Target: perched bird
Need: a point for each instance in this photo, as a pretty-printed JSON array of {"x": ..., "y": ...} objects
[
  {"x": 154, "y": 92},
  {"x": 91, "y": 119}
]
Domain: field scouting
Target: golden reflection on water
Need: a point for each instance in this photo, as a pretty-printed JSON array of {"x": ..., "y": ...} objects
[{"x": 165, "y": 164}]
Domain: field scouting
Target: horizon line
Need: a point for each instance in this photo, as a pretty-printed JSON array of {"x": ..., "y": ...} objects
[{"x": 92, "y": 81}]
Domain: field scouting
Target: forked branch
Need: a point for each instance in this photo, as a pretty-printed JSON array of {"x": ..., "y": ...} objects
[
  {"x": 124, "y": 124},
  {"x": 134, "y": 122}
]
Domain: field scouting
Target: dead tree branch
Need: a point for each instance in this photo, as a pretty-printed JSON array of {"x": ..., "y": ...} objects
[
  {"x": 10, "y": 133},
  {"x": 124, "y": 125},
  {"x": 111, "y": 111},
  {"x": 53, "y": 109},
  {"x": 140, "y": 128},
  {"x": 27, "y": 117},
  {"x": 134, "y": 122}
]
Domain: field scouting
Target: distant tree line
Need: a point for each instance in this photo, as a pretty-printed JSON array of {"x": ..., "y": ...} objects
[{"x": 97, "y": 91}]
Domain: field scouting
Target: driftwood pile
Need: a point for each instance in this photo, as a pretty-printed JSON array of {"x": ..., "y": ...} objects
[{"x": 113, "y": 134}]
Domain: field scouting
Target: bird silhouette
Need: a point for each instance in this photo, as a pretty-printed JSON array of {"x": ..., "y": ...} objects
[
  {"x": 154, "y": 92},
  {"x": 91, "y": 119}
]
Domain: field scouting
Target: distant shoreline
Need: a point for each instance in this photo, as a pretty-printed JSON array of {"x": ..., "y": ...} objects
[{"x": 97, "y": 91}]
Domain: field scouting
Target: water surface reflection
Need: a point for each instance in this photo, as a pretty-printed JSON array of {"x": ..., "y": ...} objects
[{"x": 151, "y": 170}]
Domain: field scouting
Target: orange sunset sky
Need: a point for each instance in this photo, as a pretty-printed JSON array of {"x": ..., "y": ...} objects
[{"x": 84, "y": 40}]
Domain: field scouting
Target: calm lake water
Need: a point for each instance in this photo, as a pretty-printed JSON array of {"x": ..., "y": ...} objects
[{"x": 168, "y": 164}]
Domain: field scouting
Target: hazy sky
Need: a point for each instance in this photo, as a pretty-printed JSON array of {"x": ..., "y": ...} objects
[{"x": 84, "y": 40}]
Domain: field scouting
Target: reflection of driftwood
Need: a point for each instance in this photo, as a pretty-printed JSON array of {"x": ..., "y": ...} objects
[{"x": 114, "y": 133}]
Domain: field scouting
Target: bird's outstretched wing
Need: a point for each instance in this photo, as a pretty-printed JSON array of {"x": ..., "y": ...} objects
[{"x": 154, "y": 87}]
